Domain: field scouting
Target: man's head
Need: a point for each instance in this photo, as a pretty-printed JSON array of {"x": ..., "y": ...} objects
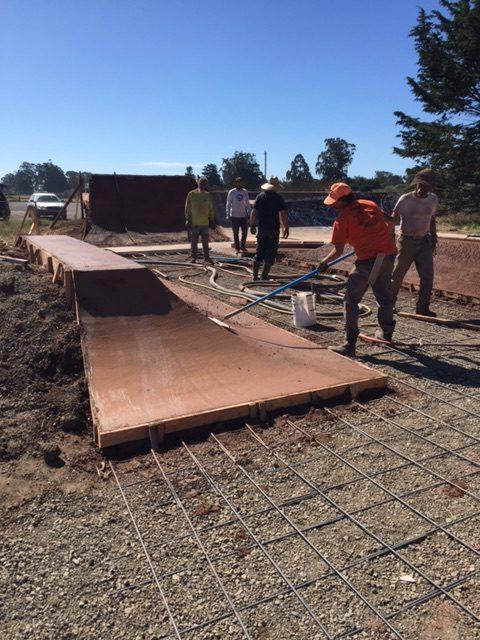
[
  {"x": 339, "y": 196},
  {"x": 423, "y": 182},
  {"x": 202, "y": 183},
  {"x": 239, "y": 184},
  {"x": 272, "y": 185}
]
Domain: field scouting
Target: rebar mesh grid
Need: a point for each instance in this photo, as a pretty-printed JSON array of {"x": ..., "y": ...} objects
[{"x": 345, "y": 522}]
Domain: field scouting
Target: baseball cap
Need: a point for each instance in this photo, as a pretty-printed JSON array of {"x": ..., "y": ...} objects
[{"x": 337, "y": 190}]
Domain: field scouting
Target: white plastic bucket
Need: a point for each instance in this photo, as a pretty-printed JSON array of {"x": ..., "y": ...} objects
[{"x": 303, "y": 309}]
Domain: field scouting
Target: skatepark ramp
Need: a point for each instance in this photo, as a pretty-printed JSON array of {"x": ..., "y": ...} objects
[
  {"x": 152, "y": 361},
  {"x": 138, "y": 203}
]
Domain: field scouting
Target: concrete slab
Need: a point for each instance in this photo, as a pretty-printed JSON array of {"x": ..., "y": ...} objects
[{"x": 154, "y": 360}]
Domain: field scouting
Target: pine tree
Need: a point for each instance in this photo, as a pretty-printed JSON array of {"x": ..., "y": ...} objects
[{"x": 448, "y": 86}]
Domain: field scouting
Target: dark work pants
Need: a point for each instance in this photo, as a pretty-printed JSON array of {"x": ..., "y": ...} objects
[
  {"x": 357, "y": 284},
  {"x": 418, "y": 251},
  {"x": 267, "y": 246},
  {"x": 237, "y": 225}
]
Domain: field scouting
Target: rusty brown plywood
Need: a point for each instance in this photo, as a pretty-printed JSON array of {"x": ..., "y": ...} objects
[
  {"x": 75, "y": 255},
  {"x": 151, "y": 359},
  {"x": 139, "y": 203}
]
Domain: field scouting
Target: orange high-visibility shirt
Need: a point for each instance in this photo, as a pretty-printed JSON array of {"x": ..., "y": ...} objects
[{"x": 363, "y": 226}]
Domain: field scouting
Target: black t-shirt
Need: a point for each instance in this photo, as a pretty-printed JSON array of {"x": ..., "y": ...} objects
[{"x": 268, "y": 205}]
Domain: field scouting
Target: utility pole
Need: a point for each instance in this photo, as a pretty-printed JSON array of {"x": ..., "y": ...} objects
[{"x": 265, "y": 165}]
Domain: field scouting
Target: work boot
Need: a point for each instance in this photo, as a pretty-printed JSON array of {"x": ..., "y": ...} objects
[
  {"x": 208, "y": 260},
  {"x": 193, "y": 259},
  {"x": 384, "y": 334},
  {"x": 256, "y": 268},
  {"x": 348, "y": 347},
  {"x": 425, "y": 311},
  {"x": 266, "y": 271}
]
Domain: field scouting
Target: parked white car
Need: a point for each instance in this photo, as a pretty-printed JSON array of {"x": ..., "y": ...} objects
[{"x": 47, "y": 204}]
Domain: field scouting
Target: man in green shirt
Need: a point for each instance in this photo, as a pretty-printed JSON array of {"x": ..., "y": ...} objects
[{"x": 199, "y": 218}]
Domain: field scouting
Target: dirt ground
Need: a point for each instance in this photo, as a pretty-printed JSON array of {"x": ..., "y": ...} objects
[{"x": 72, "y": 566}]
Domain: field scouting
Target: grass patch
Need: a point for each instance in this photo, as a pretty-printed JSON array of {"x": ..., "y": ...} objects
[
  {"x": 10, "y": 228},
  {"x": 463, "y": 222}
]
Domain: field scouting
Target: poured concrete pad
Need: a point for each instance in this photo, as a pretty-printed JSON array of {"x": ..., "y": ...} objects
[{"x": 151, "y": 359}]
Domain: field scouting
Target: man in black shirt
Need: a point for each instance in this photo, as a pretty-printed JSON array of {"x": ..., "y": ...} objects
[{"x": 267, "y": 214}]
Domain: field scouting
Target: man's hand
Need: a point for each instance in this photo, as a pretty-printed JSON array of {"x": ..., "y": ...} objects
[
  {"x": 322, "y": 267},
  {"x": 286, "y": 233},
  {"x": 434, "y": 242},
  {"x": 253, "y": 229},
  {"x": 188, "y": 224}
]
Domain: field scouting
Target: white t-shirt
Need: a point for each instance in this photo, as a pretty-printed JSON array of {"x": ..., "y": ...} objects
[
  {"x": 238, "y": 203},
  {"x": 416, "y": 213}
]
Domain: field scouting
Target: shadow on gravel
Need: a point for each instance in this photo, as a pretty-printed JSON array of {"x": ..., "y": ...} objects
[{"x": 431, "y": 368}]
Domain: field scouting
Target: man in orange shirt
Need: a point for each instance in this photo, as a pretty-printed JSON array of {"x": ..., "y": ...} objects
[{"x": 361, "y": 224}]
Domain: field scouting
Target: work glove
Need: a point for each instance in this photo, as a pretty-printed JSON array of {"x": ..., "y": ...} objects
[
  {"x": 322, "y": 267},
  {"x": 253, "y": 230},
  {"x": 286, "y": 233}
]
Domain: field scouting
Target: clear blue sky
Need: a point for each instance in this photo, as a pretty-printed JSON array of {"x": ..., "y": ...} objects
[{"x": 149, "y": 86}]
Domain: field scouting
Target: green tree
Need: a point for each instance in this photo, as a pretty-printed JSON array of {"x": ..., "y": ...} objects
[
  {"x": 244, "y": 165},
  {"x": 332, "y": 164},
  {"x": 447, "y": 42},
  {"x": 387, "y": 179},
  {"x": 189, "y": 172},
  {"x": 210, "y": 171},
  {"x": 50, "y": 177},
  {"x": 8, "y": 182},
  {"x": 299, "y": 172},
  {"x": 362, "y": 184}
]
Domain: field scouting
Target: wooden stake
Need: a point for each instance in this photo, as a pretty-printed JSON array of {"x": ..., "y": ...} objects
[{"x": 459, "y": 324}]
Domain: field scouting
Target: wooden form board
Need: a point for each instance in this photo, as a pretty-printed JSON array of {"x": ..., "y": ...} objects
[{"x": 152, "y": 360}]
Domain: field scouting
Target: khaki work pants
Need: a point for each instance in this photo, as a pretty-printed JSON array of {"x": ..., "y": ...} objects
[
  {"x": 418, "y": 251},
  {"x": 357, "y": 285}
]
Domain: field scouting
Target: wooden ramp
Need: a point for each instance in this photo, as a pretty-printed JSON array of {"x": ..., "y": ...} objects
[{"x": 152, "y": 360}]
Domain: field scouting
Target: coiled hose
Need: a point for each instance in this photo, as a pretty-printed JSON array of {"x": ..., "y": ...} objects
[{"x": 246, "y": 292}]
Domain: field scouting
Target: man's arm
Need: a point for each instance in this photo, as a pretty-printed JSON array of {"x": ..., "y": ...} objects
[
  {"x": 284, "y": 223},
  {"x": 228, "y": 207},
  {"x": 188, "y": 211},
  {"x": 334, "y": 253},
  {"x": 211, "y": 214}
]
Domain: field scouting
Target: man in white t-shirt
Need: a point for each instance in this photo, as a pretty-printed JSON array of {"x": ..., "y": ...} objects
[
  {"x": 415, "y": 211},
  {"x": 238, "y": 211}
]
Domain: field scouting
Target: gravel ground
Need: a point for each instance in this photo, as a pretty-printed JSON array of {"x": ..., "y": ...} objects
[{"x": 316, "y": 524}]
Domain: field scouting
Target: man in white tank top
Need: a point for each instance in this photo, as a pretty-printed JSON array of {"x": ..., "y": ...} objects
[{"x": 415, "y": 211}]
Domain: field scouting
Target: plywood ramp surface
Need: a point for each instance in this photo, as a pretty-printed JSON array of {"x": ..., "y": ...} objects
[{"x": 151, "y": 359}]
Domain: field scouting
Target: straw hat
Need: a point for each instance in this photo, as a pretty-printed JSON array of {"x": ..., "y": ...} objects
[{"x": 272, "y": 185}]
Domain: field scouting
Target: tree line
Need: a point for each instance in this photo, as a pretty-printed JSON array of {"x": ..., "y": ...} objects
[
  {"x": 43, "y": 176},
  {"x": 331, "y": 166}
]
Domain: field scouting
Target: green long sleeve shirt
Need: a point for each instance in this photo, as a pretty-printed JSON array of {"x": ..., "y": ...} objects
[{"x": 198, "y": 209}]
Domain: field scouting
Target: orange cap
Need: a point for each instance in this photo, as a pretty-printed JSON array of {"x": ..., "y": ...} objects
[{"x": 337, "y": 190}]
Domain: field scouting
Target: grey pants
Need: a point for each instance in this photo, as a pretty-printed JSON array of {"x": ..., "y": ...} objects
[
  {"x": 419, "y": 251},
  {"x": 203, "y": 232},
  {"x": 357, "y": 284}
]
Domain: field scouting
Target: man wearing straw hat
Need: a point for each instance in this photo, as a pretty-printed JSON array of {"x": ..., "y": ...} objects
[
  {"x": 415, "y": 211},
  {"x": 268, "y": 214}
]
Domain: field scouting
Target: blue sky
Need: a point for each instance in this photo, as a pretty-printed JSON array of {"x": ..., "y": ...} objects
[{"x": 149, "y": 86}]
